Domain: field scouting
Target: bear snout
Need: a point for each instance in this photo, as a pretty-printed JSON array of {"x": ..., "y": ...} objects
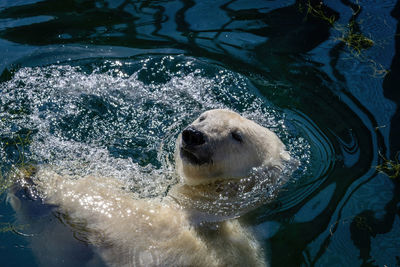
[{"x": 193, "y": 137}]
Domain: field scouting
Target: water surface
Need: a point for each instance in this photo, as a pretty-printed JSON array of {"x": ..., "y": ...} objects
[{"x": 110, "y": 84}]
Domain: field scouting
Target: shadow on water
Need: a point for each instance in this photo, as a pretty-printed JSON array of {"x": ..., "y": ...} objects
[
  {"x": 271, "y": 45},
  {"x": 378, "y": 225},
  {"x": 391, "y": 83},
  {"x": 158, "y": 24}
]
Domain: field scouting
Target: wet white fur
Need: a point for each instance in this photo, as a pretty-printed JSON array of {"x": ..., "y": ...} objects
[
  {"x": 259, "y": 147},
  {"x": 159, "y": 232}
]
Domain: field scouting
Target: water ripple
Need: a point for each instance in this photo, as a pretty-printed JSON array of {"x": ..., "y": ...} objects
[{"x": 121, "y": 118}]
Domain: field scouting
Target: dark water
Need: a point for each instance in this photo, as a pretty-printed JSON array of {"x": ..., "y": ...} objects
[{"x": 110, "y": 84}]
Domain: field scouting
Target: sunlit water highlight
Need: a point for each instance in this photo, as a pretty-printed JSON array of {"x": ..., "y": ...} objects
[
  {"x": 333, "y": 105},
  {"x": 121, "y": 118}
]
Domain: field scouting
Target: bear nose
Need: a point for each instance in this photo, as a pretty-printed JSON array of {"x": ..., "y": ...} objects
[{"x": 193, "y": 137}]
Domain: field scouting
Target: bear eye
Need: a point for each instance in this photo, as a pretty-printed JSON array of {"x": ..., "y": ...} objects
[
  {"x": 202, "y": 118},
  {"x": 237, "y": 136}
]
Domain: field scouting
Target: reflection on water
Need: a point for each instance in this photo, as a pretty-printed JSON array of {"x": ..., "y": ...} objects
[
  {"x": 286, "y": 64},
  {"x": 94, "y": 118}
]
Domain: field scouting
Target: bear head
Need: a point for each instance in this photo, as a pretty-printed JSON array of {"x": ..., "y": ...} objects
[{"x": 221, "y": 144}]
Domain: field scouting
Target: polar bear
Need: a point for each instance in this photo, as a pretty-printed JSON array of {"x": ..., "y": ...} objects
[
  {"x": 221, "y": 144},
  {"x": 217, "y": 146}
]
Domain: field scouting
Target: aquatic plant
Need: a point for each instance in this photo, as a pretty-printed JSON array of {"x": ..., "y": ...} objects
[
  {"x": 16, "y": 229},
  {"x": 353, "y": 39},
  {"x": 389, "y": 167},
  {"x": 6, "y": 227},
  {"x": 4, "y": 182},
  {"x": 357, "y": 41},
  {"x": 7, "y": 181},
  {"x": 350, "y": 34},
  {"x": 379, "y": 71},
  {"x": 318, "y": 11},
  {"x": 25, "y": 168}
]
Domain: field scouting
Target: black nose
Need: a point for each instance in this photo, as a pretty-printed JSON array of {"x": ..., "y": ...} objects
[{"x": 193, "y": 137}]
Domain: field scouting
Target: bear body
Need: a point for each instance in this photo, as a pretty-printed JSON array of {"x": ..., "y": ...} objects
[{"x": 219, "y": 145}]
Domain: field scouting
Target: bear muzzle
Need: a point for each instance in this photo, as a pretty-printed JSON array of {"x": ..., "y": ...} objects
[
  {"x": 194, "y": 146},
  {"x": 193, "y": 137}
]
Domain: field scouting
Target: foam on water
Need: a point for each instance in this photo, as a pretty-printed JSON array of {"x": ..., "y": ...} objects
[{"x": 121, "y": 118}]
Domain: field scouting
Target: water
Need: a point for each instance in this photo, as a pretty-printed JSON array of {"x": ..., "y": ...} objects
[{"x": 106, "y": 86}]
